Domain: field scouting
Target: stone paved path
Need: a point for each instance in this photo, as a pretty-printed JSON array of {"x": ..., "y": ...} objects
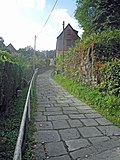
[{"x": 68, "y": 129}]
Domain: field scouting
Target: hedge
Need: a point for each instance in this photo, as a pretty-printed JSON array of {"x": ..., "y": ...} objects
[{"x": 13, "y": 77}]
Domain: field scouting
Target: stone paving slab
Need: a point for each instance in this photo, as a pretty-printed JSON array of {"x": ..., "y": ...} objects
[
  {"x": 68, "y": 134},
  {"x": 55, "y": 149},
  {"x": 60, "y": 124},
  {"x": 103, "y": 121},
  {"x": 57, "y": 117},
  {"x": 89, "y": 122},
  {"x": 90, "y": 132},
  {"x": 68, "y": 129},
  {"x": 69, "y": 109},
  {"x": 95, "y": 140},
  {"x": 44, "y": 125},
  {"x": 83, "y": 152},
  {"x": 86, "y": 111},
  {"x": 93, "y": 115},
  {"x": 41, "y": 118},
  {"x": 76, "y": 116},
  {"x": 47, "y": 136},
  {"x": 53, "y": 109},
  {"x": 77, "y": 144},
  {"x": 75, "y": 123},
  {"x": 53, "y": 113},
  {"x": 70, "y": 112}
]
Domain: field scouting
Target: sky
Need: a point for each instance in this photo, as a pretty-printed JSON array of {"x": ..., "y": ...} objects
[{"x": 21, "y": 20}]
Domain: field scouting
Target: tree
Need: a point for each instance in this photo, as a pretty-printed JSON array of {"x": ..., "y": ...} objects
[
  {"x": 27, "y": 51},
  {"x": 1, "y": 40},
  {"x": 84, "y": 14},
  {"x": 98, "y": 15},
  {"x": 2, "y": 45},
  {"x": 107, "y": 15}
]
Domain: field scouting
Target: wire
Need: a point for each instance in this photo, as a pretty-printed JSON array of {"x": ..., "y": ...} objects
[{"x": 48, "y": 17}]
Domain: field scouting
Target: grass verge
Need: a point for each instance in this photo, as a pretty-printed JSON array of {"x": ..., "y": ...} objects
[{"x": 106, "y": 105}]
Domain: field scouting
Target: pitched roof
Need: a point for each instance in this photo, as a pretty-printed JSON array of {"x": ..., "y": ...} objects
[
  {"x": 67, "y": 27},
  {"x": 11, "y": 48}
]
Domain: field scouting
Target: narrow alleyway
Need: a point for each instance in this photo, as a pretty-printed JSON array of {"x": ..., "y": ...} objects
[{"x": 67, "y": 129}]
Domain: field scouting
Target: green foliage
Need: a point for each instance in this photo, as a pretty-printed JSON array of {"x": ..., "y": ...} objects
[
  {"x": 58, "y": 63},
  {"x": 27, "y": 58},
  {"x": 9, "y": 127},
  {"x": 96, "y": 16},
  {"x": 10, "y": 81},
  {"x": 13, "y": 76},
  {"x": 88, "y": 61},
  {"x": 107, "y": 44},
  {"x": 107, "y": 15},
  {"x": 84, "y": 14},
  {"x": 2, "y": 45},
  {"x": 15, "y": 72},
  {"x": 5, "y": 56},
  {"x": 111, "y": 78},
  {"x": 106, "y": 104}
]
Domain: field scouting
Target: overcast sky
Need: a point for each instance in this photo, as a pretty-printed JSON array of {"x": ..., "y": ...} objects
[{"x": 21, "y": 20}]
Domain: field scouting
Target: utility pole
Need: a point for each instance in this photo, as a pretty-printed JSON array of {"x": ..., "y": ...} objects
[
  {"x": 63, "y": 47},
  {"x": 34, "y": 53}
]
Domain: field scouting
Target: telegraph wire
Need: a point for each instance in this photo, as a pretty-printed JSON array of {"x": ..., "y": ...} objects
[
  {"x": 48, "y": 17},
  {"x": 35, "y": 38}
]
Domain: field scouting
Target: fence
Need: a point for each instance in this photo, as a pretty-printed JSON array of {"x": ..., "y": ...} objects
[{"x": 24, "y": 124}]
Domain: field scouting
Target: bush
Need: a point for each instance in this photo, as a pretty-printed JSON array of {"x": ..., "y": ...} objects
[
  {"x": 110, "y": 82},
  {"x": 106, "y": 44}
]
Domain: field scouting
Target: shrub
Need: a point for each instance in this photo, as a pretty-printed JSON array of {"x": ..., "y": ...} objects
[{"x": 110, "y": 82}]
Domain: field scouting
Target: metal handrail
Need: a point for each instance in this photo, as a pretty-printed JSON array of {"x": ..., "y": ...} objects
[{"x": 25, "y": 118}]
